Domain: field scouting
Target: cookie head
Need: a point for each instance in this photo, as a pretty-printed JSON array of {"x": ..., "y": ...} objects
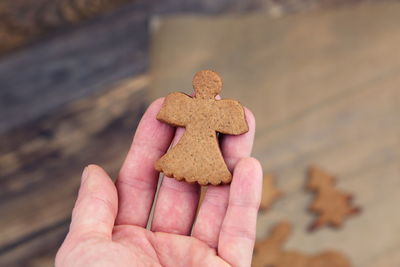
[
  {"x": 319, "y": 179},
  {"x": 207, "y": 84}
]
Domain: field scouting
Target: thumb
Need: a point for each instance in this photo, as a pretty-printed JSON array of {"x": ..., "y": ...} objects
[
  {"x": 95, "y": 210},
  {"x": 97, "y": 204}
]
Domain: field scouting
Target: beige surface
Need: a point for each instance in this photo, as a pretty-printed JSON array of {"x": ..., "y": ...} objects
[{"x": 324, "y": 87}]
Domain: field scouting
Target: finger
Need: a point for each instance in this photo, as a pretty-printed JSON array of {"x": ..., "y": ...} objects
[
  {"x": 236, "y": 147},
  {"x": 94, "y": 212},
  {"x": 97, "y": 204},
  {"x": 176, "y": 203},
  {"x": 238, "y": 230},
  {"x": 137, "y": 180},
  {"x": 213, "y": 208}
]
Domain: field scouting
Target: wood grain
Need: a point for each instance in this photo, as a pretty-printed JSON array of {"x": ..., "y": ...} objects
[
  {"x": 25, "y": 21},
  {"x": 22, "y": 21},
  {"x": 37, "y": 249},
  {"x": 71, "y": 66},
  {"x": 323, "y": 94},
  {"x": 41, "y": 162}
]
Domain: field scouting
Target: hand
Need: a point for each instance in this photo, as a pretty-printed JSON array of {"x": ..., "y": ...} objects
[{"x": 108, "y": 226}]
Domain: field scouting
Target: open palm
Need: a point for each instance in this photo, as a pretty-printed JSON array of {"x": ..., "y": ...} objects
[{"x": 109, "y": 220}]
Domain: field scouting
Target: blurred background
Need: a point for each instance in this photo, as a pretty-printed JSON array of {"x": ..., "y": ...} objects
[{"x": 321, "y": 76}]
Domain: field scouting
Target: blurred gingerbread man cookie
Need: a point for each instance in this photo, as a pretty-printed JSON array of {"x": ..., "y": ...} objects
[
  {"x": 270, "y": 252},
  {"x": 270, "y": 192},
  {"x": 331, "y": 205}
]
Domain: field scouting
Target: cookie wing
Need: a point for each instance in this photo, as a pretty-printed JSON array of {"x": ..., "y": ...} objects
[
  {"x": 231, "y": 117},
  {"x": 175, "y": 108}
]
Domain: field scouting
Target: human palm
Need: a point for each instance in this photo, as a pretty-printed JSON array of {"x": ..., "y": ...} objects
[{"x": 108, "y": 226}]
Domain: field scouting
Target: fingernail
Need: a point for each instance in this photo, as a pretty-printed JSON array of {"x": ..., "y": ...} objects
[{"x": 85, "y": 174}]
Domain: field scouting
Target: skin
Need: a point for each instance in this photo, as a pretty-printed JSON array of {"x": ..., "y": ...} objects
[{"x": 108, "y": 226}]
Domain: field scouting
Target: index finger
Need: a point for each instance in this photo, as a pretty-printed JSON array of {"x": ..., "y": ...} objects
[{"x": 137, "y": 180}]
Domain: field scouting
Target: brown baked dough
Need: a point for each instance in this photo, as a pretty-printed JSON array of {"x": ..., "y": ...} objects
[
  {"x": 331, "y": 205},
  {"x": 270, "y": 192},
  {"x": 197, "y": 156},
  {"x": 270, "y": 253}
]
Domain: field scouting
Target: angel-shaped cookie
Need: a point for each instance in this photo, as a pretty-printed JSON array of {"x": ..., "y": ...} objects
[{"x": 197, "y": 156}]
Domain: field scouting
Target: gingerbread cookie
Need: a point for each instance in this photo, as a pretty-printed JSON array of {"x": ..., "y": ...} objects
[
  {"x": 270, "y": 192},
  {"x": 331, "y": 205},
  {"x": 270, "y": 253},
  {"x": 197, "y": 156}
]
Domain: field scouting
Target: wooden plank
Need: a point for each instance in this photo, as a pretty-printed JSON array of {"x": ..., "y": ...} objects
[
  {"x": 23, "y": 21},
  {"x": 368, "y": 128},
  {"x": 391, "y": 258},
  {"x": 71, "y": 66},
  {"x": 293, "y": 77},
  {"x": 94, "y": 130},
  {"x": 38, "y": 249},
  {"x": 363, "y": 152},
  {"x": 327, "y": 96}
]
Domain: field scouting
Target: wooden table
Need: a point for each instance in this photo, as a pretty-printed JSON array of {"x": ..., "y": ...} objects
[
  {"x": 75, "y": 96},
  {"x": 324, "y": 87}
]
